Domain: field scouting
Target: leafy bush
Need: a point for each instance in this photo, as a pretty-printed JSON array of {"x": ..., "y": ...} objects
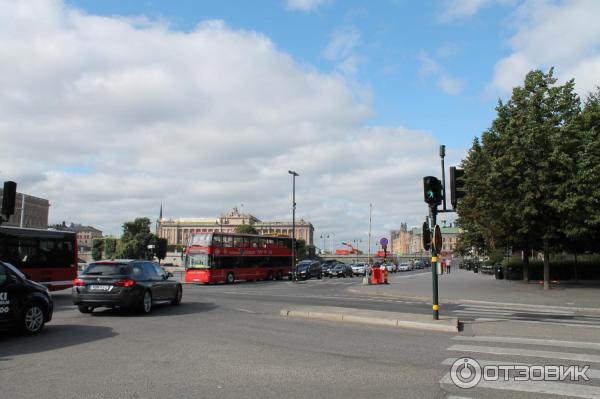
[{"x": 585, "y": 269}]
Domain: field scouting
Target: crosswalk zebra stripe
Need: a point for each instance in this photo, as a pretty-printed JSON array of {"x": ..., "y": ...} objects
[
  {"x": 517, "y": 309},
  {"x": 482, "y": 312},
  {"x": 544, "y": 387},
  {"x": 526, "y": 352},
  {"x": 530, "y": 341},
  {"x": 593, "y": 374},
  {"x": 570, "y": 323}
]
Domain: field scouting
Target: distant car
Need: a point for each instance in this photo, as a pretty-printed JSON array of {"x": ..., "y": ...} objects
[
  {"x": 418, "y": 264},
  {"x": 391, "y": 268},
  {"x": 359, "y": 269},
  {"x": 339, "y": 270},
  {"x": 24, "y": 304},
  {"x": 404, "y": 267},
  {"x": 326, "y": 267},
  {"x": 307, "y": 269},
  {"x": 131, "y": 284}
]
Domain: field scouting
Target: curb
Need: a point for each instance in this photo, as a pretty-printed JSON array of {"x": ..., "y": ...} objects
[
  {"x": 451, "y": 326},
  {"x": 477, "y": 302}
]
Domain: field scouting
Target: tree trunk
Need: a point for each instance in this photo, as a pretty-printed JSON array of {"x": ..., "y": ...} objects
[
  {"x": 526, "y": 265},
  {"x": 546, "y": 265},
  {"x": 575, "y": 270}
]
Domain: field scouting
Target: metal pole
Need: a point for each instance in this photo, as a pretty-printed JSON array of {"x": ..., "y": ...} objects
[
  {"x": 370, "y": 213},
  {"x": 294, "y": 174},
  {"x": 442, "y": 155},
  {"x": 434, "y": 278},
  {"x": 22, "y": 210}
]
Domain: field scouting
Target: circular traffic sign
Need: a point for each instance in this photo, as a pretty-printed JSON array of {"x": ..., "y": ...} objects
[{"x": 384, "y": 241}]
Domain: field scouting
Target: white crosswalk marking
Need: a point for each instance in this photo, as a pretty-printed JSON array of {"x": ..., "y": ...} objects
[{"x": 588, "y": 353}]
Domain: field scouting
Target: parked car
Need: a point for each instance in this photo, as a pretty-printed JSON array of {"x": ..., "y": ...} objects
[
  {"x": 132, "y": 284},
  {"x": 307, "y": 269},
  {"x": 391, "y": 268},
  {"x": 81, "y": 264},
  {"x": 405, "y": 267},
  {"x": 340, "y": 270},
  {"x": 359, "y": 269},
  {"x": 24, "y": 304},
  {"x": 418, "y": 264},
  {"x": 326, "y": 267}
]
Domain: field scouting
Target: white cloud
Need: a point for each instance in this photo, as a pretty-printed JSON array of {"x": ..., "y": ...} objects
[
  {"x": 429, "y": 68},
  {"x": 342, "y": 50},
  {"x": 457, "y": 9},
  {"x": 562, "y": 34},
  {"x": 109, "y": 117},
  {"x": 306, "y": 5}
]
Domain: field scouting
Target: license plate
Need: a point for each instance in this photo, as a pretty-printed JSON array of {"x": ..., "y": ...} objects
[{"x": 94, "y": 287}]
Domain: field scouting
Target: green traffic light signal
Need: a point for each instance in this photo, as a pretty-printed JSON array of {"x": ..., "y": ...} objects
[{"x": 432, "y": 190}]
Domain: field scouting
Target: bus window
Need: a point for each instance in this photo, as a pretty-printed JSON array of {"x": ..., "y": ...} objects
[
  {"x": 270, "y": 243},
  {"x": 217, "y": 240},
  {"x": 238, "y": 242},
  {"x": 27, "y": 252},
  {"x": 262, "y": 243},
  {"x": 251, "y": 242},
  {"x": 227, "y": 241}
]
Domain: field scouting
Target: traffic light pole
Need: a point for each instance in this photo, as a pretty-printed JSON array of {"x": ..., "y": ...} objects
[{"x": 434, "y": 278}]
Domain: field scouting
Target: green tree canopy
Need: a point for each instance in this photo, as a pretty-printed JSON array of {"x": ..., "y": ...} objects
[{"x": 245, "y": 229}]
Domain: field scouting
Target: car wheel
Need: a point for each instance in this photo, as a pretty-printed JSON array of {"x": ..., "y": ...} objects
[
  {"x": 269, "y": 275},
  {"x": 178, "y": 296},
  {"x": 230, "y": 279},
  {"x": 146, "y": 304},
  {"x": 33, "y": 319},
  {"x": 85, "y": 309},
  {"x": 319, "y": 276}
]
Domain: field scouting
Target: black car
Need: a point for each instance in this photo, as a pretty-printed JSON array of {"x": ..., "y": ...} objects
[
  {"x": 132, "y": 284},
  {"x": 24, "y": 304},
  {"x": 341, "y": 270},
  {"x": 327, "y": 266},
  {"x": 307, "y": 269}
]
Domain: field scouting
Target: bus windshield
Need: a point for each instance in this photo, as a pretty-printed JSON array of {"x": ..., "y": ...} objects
[
  {"x": 202, "y": 240},
  {"x": 197, "y": 261}
]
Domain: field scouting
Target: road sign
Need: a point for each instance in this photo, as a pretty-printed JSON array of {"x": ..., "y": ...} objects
[
  {"x": 384, "y": 242},
  {"x": 437, "y": 238},
  {"x": 426, "y": 237}
]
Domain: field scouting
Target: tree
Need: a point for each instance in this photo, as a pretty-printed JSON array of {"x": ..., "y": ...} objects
[
  {"x": 135, "y": 240},
  {"x": 160, "y": 248},
  {"x": 97, "y": 248},
  {"x": 245, "y": 229},
  {"x": 519, "y": 174},
  {"x": 110, "y": 247}
]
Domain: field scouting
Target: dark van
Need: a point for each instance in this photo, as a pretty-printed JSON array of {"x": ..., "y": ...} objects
[{"x": 24, "y": 304}]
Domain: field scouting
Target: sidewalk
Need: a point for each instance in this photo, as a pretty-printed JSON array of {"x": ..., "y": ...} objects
[{"x": 463, "y": 286}]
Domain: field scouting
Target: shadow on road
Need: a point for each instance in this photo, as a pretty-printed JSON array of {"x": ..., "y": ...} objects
[
  {"x": 158, "y": 310},
  {"x": 54, "y": 336}
]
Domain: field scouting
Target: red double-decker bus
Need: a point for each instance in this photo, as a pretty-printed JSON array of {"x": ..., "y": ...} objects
[
  {"x": 46, "y": 256},
  {"x": 227, "y": 257}
]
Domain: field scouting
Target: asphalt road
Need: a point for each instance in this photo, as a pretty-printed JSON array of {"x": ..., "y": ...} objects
[{"x": 228, "y": 341}]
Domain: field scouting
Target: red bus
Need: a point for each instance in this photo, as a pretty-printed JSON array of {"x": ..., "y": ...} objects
[
  {"x": 226, "y": 257},
  {"x": 46, "y": 256}
]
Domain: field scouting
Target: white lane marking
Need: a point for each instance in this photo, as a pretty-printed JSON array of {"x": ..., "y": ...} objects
[
  {"x": 492, "y": 350},
  {"x": 546, "y": 387},
  {"x": 482, "y": 312},
  {"x": 572, "y": 323},
  {"x": 591, "y": 373},
  {"x": 530, "y": 341},
  {"x": 516, "y": 310},
  {"x": 587, "y": 322}
]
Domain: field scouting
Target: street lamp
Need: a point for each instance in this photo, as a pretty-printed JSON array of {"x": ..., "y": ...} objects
[
  {"x": 324, "y": 236},
  {"x": 357, "y": 242},
  {"x": 294, "y": 174}
]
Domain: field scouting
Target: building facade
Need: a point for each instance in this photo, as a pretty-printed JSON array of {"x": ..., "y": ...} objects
[
  {"x": 85, "y": 234},
  {"x": 30, "y": 212},
  {"x": 178, "y": 231}
]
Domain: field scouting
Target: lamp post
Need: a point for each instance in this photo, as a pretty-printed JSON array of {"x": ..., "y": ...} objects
[
  {"x": 357, "y": 242},
  {"x": 294, "y": 174},
  {"x": 324, "y": 236}
]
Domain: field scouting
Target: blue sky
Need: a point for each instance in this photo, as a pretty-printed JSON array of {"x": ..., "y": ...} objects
[
  {"x": 205, "y": 105},
  {"x": 394, "y": 39}
]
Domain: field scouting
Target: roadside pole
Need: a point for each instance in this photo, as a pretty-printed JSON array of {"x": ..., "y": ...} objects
[{"x": 434, "y": 277}]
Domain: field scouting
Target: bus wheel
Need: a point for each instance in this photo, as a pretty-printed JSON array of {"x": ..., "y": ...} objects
[
  {"x": 279, "y": 275},
  {"x": 270, "y": 275},
  {"x": 230, "y": 279}
]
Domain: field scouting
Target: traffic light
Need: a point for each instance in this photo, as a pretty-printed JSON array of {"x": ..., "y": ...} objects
[
  {"x": 9, "y": 195},
  {"x": 426, "y": 237},
  {"x": 432, "y": 190},
  {"x": 457, "y": 185}
]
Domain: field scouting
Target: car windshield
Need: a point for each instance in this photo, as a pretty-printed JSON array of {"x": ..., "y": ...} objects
[
  {"x": 303, "y": 265},
  {"x": 107, "y": 269}
]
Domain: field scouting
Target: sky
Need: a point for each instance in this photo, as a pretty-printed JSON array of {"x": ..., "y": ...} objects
[{"x": 110, "y": 108}]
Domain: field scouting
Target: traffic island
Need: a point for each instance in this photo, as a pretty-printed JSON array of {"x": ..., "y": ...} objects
[{"x": 375, "y": 317}]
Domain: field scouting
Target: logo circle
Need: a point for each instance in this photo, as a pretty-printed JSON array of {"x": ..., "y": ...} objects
[{"x": 465, "y": 372}]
